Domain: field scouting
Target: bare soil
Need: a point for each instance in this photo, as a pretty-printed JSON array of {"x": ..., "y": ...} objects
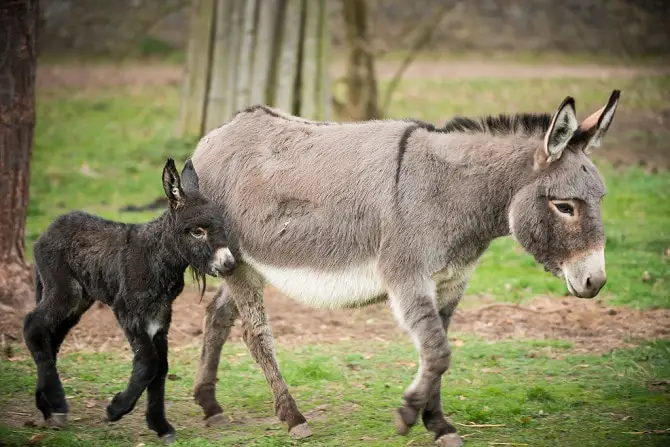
[{"x": 590, "y": 324}]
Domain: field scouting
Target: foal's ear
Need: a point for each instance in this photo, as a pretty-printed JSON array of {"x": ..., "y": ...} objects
[
  {"x": 593, "y": 128},
  {"x": 172, "y": 185},
  {"x": 563, "y": 126},
  {"x": 189, "y": 178}
]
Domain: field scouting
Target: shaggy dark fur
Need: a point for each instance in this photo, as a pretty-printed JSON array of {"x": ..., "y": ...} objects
[{"x": 138, "y": 270}]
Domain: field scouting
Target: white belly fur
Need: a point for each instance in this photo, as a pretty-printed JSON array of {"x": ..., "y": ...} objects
[{"x": 323, "y": 289}]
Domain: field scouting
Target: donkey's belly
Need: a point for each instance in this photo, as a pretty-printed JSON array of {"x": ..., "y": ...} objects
[{"x": 356, "y": 285}]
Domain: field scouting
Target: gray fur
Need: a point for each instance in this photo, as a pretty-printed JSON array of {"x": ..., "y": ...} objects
[
  {"x": 418, "y": 203},
  {"x": 138, "y": 270}
]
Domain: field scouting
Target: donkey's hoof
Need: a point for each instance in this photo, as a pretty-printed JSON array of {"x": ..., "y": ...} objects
[
  {"x": 300, "y": 431},
  {"x": 449, "y": 440},
  {"x": 169, "y": 438},
  {"x": 404, "y": 419},
  {"x": 216, "y": 420},
  {"x": 57, "y": 420}
]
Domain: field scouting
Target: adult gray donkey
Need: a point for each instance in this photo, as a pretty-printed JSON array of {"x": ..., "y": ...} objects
[{"x": 349, "y": 214}]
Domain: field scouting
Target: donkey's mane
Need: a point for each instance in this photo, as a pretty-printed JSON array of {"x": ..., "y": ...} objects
[{"x": 531, "y": 124}]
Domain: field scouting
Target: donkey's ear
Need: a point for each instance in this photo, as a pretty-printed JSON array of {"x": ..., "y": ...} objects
[
  {"x": 189, "y": 178},
  {"x": 172, "y": 185},
  {"x": 563, "y": 126},
  {"x": 593, "y": 128}
]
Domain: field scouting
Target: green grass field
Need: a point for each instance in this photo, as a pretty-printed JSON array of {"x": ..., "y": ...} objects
[{"x": 99, "y": 151}]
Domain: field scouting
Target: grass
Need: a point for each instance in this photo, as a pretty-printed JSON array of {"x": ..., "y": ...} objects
[{"x": 539, "y": 392}]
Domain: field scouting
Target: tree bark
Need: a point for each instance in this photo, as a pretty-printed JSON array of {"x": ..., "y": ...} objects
[
  {"x": 361, "y": 79},
  {"x": 18, "y": 57}
]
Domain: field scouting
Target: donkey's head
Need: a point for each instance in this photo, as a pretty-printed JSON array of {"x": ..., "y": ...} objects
[
  {"x": 557, "y": 217},
  {"x": 198, "y": 232}
]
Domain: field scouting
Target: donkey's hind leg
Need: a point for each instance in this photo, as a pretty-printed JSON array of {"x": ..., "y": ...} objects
[
  {"x": 44, "y": 330},
  {"x": 246, "y": 288},
  {"x": 219, "y": 319}
]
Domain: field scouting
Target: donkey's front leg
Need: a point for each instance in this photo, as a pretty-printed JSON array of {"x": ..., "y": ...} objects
[
  {"x": 413, "y": 304},
  {"x": 155, "y": 414},
  {"x": 433, "y": 417},
  {"x": 220, "y": 317},
  {"x": 246, "y": 288},
  {"x": 145, "y": 368}
]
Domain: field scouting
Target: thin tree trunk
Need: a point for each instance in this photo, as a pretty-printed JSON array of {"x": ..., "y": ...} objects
[
  {"x": 18, "y": 58},
  {"x": 199, "y": 58},
  {"x": 219, "y": 94},
  {"x": 262, "y": 64},
  {"x": 289, "y": 59},
  {"x": 361, "y": 78}
]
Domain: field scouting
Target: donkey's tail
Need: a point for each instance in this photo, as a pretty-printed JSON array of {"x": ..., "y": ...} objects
[{"x": 39, "y": 287}]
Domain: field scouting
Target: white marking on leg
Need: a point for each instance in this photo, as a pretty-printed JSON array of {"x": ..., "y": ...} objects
[
  {"x": 419, "y": 373},
  {"x": 152, "y": 328}
]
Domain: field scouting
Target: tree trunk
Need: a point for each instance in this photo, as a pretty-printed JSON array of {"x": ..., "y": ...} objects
[
  {"x": 273, "y": 52},
  {"x": 18, "y": 25},
  {"x": 361, "y": 80}
]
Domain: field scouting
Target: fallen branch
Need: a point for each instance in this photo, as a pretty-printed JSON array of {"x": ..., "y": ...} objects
[
  {"x": 505, "y": 443},
  {"x": 649, "y": 432},
  {"x": 518, "y": 307},
  {"x": 480, "y": 425}
]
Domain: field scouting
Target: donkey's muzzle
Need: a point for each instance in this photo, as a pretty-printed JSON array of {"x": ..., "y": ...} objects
[
  {"x": 223, "y": 262},
  {"x": 585, "y": 274}
]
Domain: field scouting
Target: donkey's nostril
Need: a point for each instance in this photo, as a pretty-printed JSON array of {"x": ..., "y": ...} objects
[
  {"x": 229, "y": 264},
  {"x": 588, "y": 282}
]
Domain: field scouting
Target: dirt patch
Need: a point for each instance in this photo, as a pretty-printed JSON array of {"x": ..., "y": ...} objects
[{"x": 590, "y": 324}]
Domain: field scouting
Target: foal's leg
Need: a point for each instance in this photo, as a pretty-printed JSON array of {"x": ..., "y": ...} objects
[
  {"x": 220, "y": 317},
  {"x": 145, "y": 367},
  {"x": 413, "y": 304},
  {"x": 448, "y": 296},
  {"x": 44, "y": 329},
  {"x": 155, "y": 414},
  {"x": 246, "y": 288}
]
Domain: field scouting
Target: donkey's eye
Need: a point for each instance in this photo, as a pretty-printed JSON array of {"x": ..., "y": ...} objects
[
  {"x": 198, "y": 233},
  {"x": 564, "y": 208}
]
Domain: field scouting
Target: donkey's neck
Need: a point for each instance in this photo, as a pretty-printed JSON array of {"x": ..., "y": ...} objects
[
  {"x": 158, "y": 236},
  {"x": 492, "y": 170}
]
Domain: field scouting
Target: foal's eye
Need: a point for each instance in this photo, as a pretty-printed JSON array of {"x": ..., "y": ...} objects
[
  {"x": 564, "y": 208},
  {"x": 198, "y": 233}
]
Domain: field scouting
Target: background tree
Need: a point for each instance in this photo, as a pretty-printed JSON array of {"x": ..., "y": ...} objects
[
  {"x": 18, "y": 29},
  {"x": 363, "y": 100},
  {"x": 273, "y": 52}
]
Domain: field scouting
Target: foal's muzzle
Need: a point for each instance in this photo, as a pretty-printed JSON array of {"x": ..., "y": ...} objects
[
  {"x": 585, "y": 274},
  {"x": 223, "y": 263}
]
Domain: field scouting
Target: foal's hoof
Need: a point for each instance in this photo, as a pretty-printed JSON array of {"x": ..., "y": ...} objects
[
  {"x": 405, "y": 417},
  {"x": 300, "y": 431},
  {"x": 216, "y": 420},
  {"x": 169, "y": 438},
  {"x": 56, "y": 420},
  {"x": 449, "y": 440}
]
